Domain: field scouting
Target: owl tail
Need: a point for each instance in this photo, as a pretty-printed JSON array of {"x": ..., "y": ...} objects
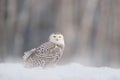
[{"x": 27, "y": 54}]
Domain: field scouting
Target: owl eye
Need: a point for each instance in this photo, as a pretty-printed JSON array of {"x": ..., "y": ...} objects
[
  {"x": 54, "y": 36},
  {"x": 59, "y": 36}
]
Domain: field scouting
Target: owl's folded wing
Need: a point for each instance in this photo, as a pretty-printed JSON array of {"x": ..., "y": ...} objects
[{"x": 41, "y": 51}]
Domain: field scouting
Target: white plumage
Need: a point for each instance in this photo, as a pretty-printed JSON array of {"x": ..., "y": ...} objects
[{"x": 47, "y": 54}]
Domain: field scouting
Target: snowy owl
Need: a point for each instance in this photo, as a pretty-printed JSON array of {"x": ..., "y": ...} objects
[{"x": 48, "y": 54}]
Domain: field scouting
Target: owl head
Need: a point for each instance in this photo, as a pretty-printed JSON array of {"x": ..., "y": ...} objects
[{"x": 57, "y": 38}]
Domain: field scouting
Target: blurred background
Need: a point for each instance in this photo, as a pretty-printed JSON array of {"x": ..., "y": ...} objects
[{"x": 91, "y": 29}]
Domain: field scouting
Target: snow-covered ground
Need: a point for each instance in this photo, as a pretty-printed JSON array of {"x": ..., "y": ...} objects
[{"x": 73, "y": 71}]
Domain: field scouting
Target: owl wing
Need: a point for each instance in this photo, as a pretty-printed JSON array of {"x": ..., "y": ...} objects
[{"x": 41, "y": 55}]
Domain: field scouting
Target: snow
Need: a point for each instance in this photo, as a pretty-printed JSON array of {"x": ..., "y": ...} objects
[{"x": 73, "y": 71}]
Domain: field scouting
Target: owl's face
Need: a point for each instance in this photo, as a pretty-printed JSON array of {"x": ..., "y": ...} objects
[{"x": 57, "y": 38}]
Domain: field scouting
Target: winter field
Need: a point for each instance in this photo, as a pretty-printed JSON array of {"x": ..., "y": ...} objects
[{"x": 73, "y": 71}]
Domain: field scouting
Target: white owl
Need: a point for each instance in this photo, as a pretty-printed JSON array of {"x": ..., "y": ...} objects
[{"x": 48, "y": 54}]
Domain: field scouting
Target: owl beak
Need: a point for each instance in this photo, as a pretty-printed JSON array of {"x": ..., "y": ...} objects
[{"x": 57, "y": 39}]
